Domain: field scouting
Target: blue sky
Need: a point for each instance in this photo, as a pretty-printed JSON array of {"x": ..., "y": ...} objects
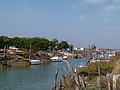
[{"x": 81, "y": 22}]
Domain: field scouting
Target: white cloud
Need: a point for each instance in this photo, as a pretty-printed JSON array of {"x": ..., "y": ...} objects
[{"x": 82, "y": 17}]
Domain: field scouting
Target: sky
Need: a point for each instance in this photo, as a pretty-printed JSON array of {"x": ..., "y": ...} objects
[{"x": 80, "y": 22}]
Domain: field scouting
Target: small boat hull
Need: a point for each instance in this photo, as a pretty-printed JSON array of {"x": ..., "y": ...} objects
[
  {"x": 56, "y": 59},
  {"x": 36, "y": 62}
]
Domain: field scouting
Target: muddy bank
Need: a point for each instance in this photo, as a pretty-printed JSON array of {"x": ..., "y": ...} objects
[
  {"x": 18, "y": 62},
  {"x": 14, "y": 63}
]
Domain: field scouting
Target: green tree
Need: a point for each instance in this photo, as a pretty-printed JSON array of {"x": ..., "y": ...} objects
[
  {"x": 53, "y": 44},
  {"x": 18, "y": 42},
  {"x": 40, "y": 43},
  {"x": 63, "y": 45},
  {"x": 4, "y": 40},
  {"x": 37, "y": 43}
]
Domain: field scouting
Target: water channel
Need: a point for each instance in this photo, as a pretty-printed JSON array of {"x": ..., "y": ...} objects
[{"x": 36, "y": 77}]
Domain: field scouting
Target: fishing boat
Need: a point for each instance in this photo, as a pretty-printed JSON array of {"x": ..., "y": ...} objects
[
  {"x": 56, "y": 59},
  {"x": 36, "y": 62}
]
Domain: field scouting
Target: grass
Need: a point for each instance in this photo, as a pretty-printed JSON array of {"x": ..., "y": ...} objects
[
  {"x": 116, "y": 69},
  {"x": 92, "y": 69}
]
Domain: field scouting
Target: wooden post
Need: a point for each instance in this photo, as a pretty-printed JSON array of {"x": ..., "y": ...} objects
[
  {"x": 108, "y": 80},
  {"x": 115, "y": 77},
  {"x": 98, "y": 83},
  {"x": 83, "y": 83},
  {"x": 55, "y": 81},
  {"x": 77, "y": 80},
  {"x": 99, "y": 71},
  {"x": 64, "y": 79},
  {"x": 59, "y": 85}
]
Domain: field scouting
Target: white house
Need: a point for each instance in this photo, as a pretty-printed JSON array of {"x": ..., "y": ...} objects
[{"x": 14, "y": 48}]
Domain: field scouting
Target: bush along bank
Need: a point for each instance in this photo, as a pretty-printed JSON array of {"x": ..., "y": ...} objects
[
  {"x": 98, "y": 76},
  {"x": 95, "y": 76}
]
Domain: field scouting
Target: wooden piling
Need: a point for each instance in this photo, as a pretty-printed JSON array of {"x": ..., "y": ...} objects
[{"x": 55, "y": 80}]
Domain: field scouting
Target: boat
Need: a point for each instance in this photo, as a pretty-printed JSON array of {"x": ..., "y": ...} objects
[
  {"x": 36, "y": 62},
  {"x": 56, "y": 59},
  {"x": 65, "y": 58}
]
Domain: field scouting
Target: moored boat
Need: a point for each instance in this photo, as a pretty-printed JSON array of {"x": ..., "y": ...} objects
[
  {"x": 36, "y": 62},
  {"x": 56, "y": 59},
  {"x": 65, "y": 58}
]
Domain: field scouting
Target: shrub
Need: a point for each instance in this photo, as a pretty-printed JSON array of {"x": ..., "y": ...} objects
[{"x": 92, "y": 69}]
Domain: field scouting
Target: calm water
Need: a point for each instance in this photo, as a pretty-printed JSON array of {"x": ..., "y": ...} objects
[{"x": 37, "y": 77}]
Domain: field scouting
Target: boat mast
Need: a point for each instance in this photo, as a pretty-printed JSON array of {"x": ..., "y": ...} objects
[
  {"x": 30, "y": 52},
  {"x": 5, "y": 65},
  {"x": 88, "y": 54}
]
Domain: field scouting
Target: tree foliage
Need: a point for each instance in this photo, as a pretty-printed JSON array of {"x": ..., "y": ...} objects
[
  {"x": 3, "y": 41},
  {"x": 63, "y": 45},
  {"x": 36, "y": 43},
  {"x": 54, "y": 44}
]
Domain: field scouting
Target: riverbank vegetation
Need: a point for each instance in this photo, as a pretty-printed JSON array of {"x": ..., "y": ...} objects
[
  {"x": 94, "y": 69},
  {"x": 95, "y": 76},
  {"x": 102, "y": 75}
]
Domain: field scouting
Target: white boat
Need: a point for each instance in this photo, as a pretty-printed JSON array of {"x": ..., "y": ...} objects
[
  {"x": 65, "y": 58},
  {"x": 57, "y": 59},
  {"x": 36, "y": 62}
]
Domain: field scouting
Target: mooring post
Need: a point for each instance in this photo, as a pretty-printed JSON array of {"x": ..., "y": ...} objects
[{"x": 55, "y": 81}]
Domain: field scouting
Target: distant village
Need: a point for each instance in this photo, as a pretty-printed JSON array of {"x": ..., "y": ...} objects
[{"x": 94, "y": 54}]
